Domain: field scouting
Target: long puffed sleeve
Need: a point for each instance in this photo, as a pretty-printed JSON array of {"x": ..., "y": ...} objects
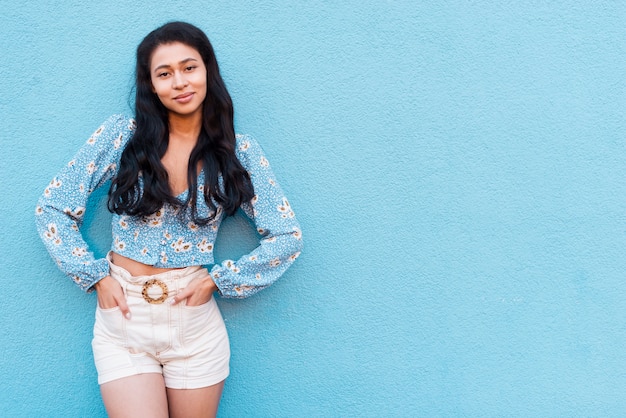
[
  {"x": 60, "y": 210},
  {"x": 274, "y": 219}
]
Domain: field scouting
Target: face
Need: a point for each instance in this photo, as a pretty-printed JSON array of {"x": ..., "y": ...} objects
[{"x": 178, "y": 77}]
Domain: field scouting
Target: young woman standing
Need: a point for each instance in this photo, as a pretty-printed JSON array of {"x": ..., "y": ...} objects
[{"x": 176, "y": 170}]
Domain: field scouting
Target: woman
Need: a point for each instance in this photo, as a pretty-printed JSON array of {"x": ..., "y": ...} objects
[{"x": 160, "y": 345}]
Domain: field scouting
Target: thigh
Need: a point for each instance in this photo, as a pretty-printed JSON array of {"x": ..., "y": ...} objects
[
  {"x": 202, "y": 402},
  {"x": 141, "y": 395}
]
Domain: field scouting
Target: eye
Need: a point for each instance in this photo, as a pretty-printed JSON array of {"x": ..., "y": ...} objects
[
  {"x": 190, "y": 68},
  {"x": 163, "y": 74}
]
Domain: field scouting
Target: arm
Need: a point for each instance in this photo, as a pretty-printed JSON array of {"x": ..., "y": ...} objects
[
  {"x": 274, "y": 219},
  {"x": 60, "y": 210}
]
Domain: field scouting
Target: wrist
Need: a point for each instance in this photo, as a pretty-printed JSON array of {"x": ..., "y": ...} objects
[
  {"x": 102, "y": 282},
  {"x": 209, "y": 283}
]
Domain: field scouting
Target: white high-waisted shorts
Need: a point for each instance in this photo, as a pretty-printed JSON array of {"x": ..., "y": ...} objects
[{"x": 188, "y": 345}]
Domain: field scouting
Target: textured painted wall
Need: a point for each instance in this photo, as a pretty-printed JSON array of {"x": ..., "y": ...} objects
[{"x": 458, "y": 170}]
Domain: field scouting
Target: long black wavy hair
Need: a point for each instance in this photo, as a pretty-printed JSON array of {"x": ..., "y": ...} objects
[{"x": 141, "y": 186}]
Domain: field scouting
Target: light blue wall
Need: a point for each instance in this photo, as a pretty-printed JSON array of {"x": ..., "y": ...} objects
[{"x": 458, "y": 168}]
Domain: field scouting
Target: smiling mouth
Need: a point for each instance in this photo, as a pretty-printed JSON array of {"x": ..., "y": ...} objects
[{"x": 183, "y": 98}]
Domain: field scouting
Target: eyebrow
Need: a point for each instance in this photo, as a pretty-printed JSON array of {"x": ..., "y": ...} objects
[{"x": 185, "y": 61}]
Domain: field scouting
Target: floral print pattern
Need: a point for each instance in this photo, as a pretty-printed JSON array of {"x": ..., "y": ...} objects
[{"x": 167, "y": 238}]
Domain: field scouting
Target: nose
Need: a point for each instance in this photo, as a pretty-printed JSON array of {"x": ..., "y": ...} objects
[{"x": 179, "y": 81}]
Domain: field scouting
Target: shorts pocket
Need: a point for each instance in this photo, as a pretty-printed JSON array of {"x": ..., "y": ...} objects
[
  {"x": 115, "y": 308},
  {"x": 200, "y": 319},
  {"x": 192, "y": 308},
  {"x": 110, "y": 324}
]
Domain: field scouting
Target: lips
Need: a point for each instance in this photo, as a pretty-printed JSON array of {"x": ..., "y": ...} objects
[{"x": 184, "y": 98}]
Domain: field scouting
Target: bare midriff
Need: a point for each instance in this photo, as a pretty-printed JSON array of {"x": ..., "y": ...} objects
[{"x": 136, "y": 268}]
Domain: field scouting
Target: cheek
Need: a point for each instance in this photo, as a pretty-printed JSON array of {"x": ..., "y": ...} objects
[
  {"x": 200, "y": 78},
  {"x": 158, "y": 84},
  {"x": 159, "y": 88}
]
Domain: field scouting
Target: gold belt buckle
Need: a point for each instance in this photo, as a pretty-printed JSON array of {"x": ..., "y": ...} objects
[{"x": 150, "y": 299}]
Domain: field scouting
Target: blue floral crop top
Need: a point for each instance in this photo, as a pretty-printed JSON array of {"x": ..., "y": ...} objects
[{"x": 167, "y": 238}]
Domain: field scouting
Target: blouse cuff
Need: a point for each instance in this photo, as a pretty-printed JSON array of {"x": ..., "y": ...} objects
[{"x": 92, "y": 274}]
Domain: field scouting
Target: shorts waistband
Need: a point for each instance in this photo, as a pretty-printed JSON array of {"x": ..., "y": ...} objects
[{"x": 174, "y": 280}]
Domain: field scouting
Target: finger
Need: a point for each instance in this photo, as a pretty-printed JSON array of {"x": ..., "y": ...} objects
[
  {"x": 184, "y": 294},
  {"x": 121, "y": 302}
]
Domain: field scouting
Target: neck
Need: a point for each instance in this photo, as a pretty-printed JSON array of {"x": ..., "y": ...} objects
[{"x": 185, "y": 127}]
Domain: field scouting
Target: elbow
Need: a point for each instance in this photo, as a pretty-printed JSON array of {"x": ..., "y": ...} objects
[
  {"x": 40, "y": 215},
  {"x": 297, "y": 238},
  {"x": 296, "y": 245},
  {"x": 299, "y": 245}
]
